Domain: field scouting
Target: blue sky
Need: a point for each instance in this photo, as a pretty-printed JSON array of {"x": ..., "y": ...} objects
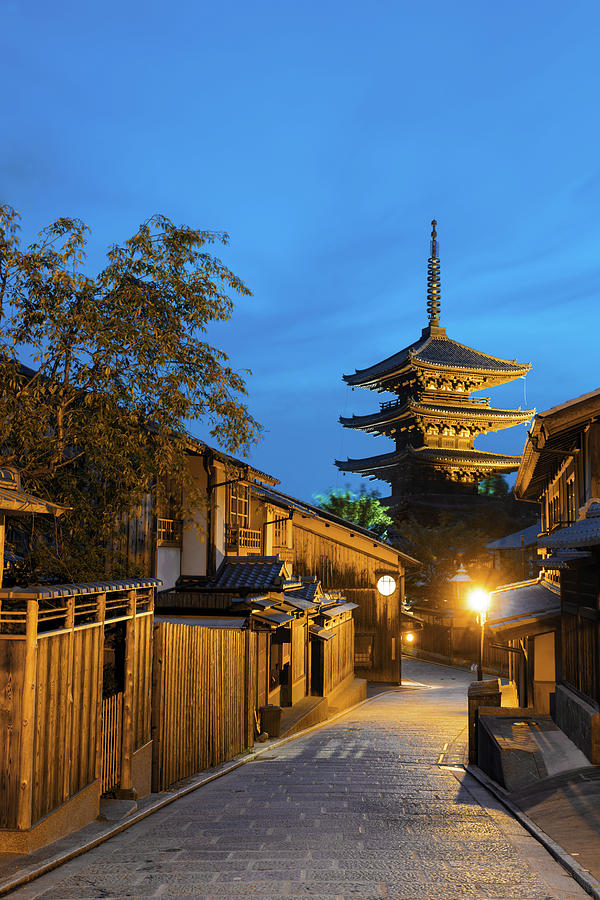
[{"x": 324, "y": 137}]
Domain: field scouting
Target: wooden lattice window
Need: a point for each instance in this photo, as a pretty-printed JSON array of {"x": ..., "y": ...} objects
[
  {"x": 238, "y": 505},
  {"x": 280, "y": 532}
]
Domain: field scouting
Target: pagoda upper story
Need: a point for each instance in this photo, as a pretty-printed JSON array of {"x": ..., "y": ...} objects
[{"x": 434, "y": 420}]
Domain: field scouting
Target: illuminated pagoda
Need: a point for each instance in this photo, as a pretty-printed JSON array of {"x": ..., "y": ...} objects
[{"x": 434, "y": 420}]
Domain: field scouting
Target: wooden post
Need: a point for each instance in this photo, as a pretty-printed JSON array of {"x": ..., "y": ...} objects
[
  {"x": 100, "y": 616},
  {"x": 68, "y": 747},
  {"x": 27, "y": 720},
  {"x": 158, "y": 710},
  {"x": 126, "y": 790},
  {"x": 2, "y": 535}
]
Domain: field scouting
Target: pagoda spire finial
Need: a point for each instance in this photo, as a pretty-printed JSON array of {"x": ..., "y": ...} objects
[{"x": 434, "y": 285}]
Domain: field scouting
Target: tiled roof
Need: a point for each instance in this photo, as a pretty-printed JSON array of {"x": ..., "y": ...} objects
[
  {"x": 50, "y": 591},
  {"x": 563, "y": 559},
  {"x": 466, "y": 410},
  {"x": 513, "y": 541},
  {"x": 310, "y": 588},
  {"x": 338, "y": 609},
  {"x": 251, "y": 573},
  {"x": 307, "y": 509},
  {"x": 585, "y": 532},
  {"x": 432, "y": 454},
  {"x": 438, "y": 350},
  {"x": 446, "y": 352},
  {"x": 515, "y": 604}
]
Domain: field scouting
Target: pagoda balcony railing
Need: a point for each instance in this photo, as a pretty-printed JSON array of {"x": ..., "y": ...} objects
[
  {"x": 439, "y": 397},
  {"x": 238, "y": 538}
]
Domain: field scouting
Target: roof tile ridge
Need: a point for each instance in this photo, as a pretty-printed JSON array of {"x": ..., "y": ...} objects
[
  {"x": 421, "y": 346},
  {"x": 467, "y": 406},
  {"x": 408, "y": 349},
  {"x": 466, "y": 452},
  {"x": 482, "y": 353}
]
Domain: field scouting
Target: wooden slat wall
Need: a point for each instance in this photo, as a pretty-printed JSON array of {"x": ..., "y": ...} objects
[
  {"x": 65, "y": 730},
  {"x": 354, "y": 573},
  {"x": 339, "y": 656},
  {"x": 262, "y": 656},
  {"x": 200, "y": 700},
  {"x": 142, "y": 685},
  {"x": 298, "y": 644},
  {"x": 112, "y": 724},
  {"x": 12, "y": 668}
]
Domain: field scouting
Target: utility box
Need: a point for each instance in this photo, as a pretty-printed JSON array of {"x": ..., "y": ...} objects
[
  {"x": 270, "y": 720},
  {"x": 481, "y": 693}
]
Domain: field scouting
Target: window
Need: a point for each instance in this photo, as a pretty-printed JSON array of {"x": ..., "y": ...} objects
[{"x": 238, "y": 505}]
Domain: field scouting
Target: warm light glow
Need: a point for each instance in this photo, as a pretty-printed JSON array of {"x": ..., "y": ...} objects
[
  {"x": 479, "y": 600},
  {"x": 409, "y": 637},
  {"x": 386, "y": 585}
]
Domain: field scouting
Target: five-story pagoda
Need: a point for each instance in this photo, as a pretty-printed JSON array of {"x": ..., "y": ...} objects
[{"x": 434, "y": 420}]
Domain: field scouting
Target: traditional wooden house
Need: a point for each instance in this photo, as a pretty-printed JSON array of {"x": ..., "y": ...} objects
[
  {"x": 522, "y": 624},
  {"x": 350, "y": 559},
  {"x": 245, "y": 514},
  {"x": 516, "y": 553},
  {"x": 289, "y": 643},
  {"x": 561, "y": 471},
  {"x": 433, "y": 419}
]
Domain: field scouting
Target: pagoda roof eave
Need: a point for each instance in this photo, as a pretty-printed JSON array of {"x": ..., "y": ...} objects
[
  {"x": 470, "y": 412},
  {"x": 474, "y": 459},
  {"x": 437, "y": 352}
]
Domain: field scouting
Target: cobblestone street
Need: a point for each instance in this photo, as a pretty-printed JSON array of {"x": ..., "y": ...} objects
[{"x": 370, "y": 805}]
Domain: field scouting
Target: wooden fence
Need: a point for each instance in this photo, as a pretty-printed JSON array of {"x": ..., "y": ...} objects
[
  {"x": 338, "y": 662},
  {"x": 202, "y": 698},
  {"x": 51, "y": 677},
  {"x": 112, "y": 726}
]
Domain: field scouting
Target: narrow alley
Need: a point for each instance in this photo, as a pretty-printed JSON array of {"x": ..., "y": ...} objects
[{"x": 372, "y": 805}]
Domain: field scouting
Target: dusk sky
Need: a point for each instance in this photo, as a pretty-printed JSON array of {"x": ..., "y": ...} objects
[{"x": 324, "y": 137}]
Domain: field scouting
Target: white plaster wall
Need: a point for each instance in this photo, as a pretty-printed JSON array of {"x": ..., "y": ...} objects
[
  {"x": 195, "y": 542},
  {"x": 220, "y": 501},
  {"x": 168, "y": 566}
]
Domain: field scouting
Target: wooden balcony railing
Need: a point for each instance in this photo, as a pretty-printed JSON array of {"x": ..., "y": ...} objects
[
  {"x": 237, "y": 538},
  {"x": 169, "y": 532}
]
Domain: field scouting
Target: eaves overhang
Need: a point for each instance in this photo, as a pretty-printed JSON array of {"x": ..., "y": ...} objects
[{"x": 554, "y": 436}]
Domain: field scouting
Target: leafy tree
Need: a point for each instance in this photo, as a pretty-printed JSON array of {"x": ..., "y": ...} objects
[
  {"x": 364, "y": 509},
  {"x": 121, "y": 367},
  {"x": 493, "y": 486}
]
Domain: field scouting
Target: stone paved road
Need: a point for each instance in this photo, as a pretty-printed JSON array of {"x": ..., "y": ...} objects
[{"x": 361, "y": 808}]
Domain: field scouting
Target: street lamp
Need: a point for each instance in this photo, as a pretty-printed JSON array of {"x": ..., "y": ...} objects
[{"x": 479, "y": 600}]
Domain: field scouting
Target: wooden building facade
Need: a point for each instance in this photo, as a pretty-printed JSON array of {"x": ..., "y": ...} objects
[
  {"x": 561, "y": 471},
  {"x": 246, "y": 515}
]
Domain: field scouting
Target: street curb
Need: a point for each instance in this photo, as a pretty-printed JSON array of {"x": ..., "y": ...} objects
[
  {"x": 36, "y": 871},
  {"x": 585, "y": 879}
]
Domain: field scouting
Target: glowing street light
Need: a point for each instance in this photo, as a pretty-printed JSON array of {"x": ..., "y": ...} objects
[
  {"x": 479, "y": 601},
  {"x": 409, "y": 637}
]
